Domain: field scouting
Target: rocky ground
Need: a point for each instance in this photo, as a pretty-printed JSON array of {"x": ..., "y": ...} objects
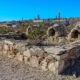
[{"x": 10, "y": 69}]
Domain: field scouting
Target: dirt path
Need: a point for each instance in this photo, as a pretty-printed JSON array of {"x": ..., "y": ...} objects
[{"x": 13, "y": 70}]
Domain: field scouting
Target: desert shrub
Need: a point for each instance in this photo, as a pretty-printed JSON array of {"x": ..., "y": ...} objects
[
  {"x": 2, "y": 30},
  {"x": 44, "y": 26},
  {"x": 5, "y": 30},
  {"x": 68, "y": 29},
  {"x": 9, "y": 29},
  {"x": 36, "y": 36}
]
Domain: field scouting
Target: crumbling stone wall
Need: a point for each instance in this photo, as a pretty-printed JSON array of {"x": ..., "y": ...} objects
[
  {"x": 56, "y": 31},
  {"x": 28, "y": 30},
  {"x": 56, "y": 34},
  {"x": 75, "y": 32},
  {"x": 54, "y": 59}
]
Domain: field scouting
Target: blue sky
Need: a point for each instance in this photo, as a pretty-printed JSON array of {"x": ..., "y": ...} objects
[{"x": 28, "y": 9}]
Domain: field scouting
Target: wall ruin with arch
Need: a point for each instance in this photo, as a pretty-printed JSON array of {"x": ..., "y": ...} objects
[{"x": 75, "y": 32}]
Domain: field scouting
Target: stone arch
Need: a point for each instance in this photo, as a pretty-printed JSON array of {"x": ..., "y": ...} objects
[
  {"x": 28, "y": 30},
  {"x": 51, "y": 32},
  {"x": 75, "y": 34}
]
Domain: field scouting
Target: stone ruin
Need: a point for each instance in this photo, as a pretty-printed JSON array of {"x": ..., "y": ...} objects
[
  {"x": 31, "y": 28},
  {"x": 28, "y": 30},
  {"x": 75, "y": 33},
  {"x": 56, "y": 33},
  {"x": 55, "y": 58},
  {"x": 47, "y": 58}
]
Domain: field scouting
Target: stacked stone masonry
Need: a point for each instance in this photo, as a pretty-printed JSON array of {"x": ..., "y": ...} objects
[{"x": 52, "y": 58}]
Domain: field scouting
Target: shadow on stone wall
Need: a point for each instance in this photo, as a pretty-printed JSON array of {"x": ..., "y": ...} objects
[{"x": 73, "y": 70}]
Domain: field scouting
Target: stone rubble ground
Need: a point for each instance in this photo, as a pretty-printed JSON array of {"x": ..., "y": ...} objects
[{"x": 10, "y": 69}]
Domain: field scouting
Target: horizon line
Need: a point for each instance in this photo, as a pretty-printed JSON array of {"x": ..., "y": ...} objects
[{"x": 36, "y": 18}]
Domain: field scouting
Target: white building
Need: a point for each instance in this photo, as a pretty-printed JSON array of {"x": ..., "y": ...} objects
[{"x": 37, "y": 21}]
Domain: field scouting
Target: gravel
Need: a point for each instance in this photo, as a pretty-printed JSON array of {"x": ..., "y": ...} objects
[{"x": 10, "y": 69}]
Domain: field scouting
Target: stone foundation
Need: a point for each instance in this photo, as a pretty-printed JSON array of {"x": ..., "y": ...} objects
[{"x": 52, "y": 58}]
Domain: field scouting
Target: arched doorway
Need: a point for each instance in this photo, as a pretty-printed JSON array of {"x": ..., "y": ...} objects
[
  {"x": 75, "y": 34},
  {"x": 51, "y": 32}
]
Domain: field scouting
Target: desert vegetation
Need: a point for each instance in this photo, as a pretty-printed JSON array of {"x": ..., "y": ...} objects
[{"x": 36, "y": 36}]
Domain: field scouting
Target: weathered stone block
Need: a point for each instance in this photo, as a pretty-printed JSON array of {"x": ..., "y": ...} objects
[
  {"x": 37, "y": 51},
  {"x": 10, "y": 54},
  {"x": 19, "y": 57},
  {"x": 26, "y": 60},
  {"x": 34, "y": 61},
  {"x": 5, "y": 47},
  {"x": 44, "y": 65},
  {"x": 1, "y": 53},
  {"x": 10, "y": 47},
  {"x": 53, "y": 66},
  {"x": 1, "y": 47},
  {"x": 5, "y": 53},
  {"x": 27, "y": 53},
  {"x": 15, "y": 46},
  {"x": 8, "y": 42}
]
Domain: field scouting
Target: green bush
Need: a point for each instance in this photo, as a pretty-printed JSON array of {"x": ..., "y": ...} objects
[
  {"x": 68, "y": 29},
  {"x": 36, "y": 36}
]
